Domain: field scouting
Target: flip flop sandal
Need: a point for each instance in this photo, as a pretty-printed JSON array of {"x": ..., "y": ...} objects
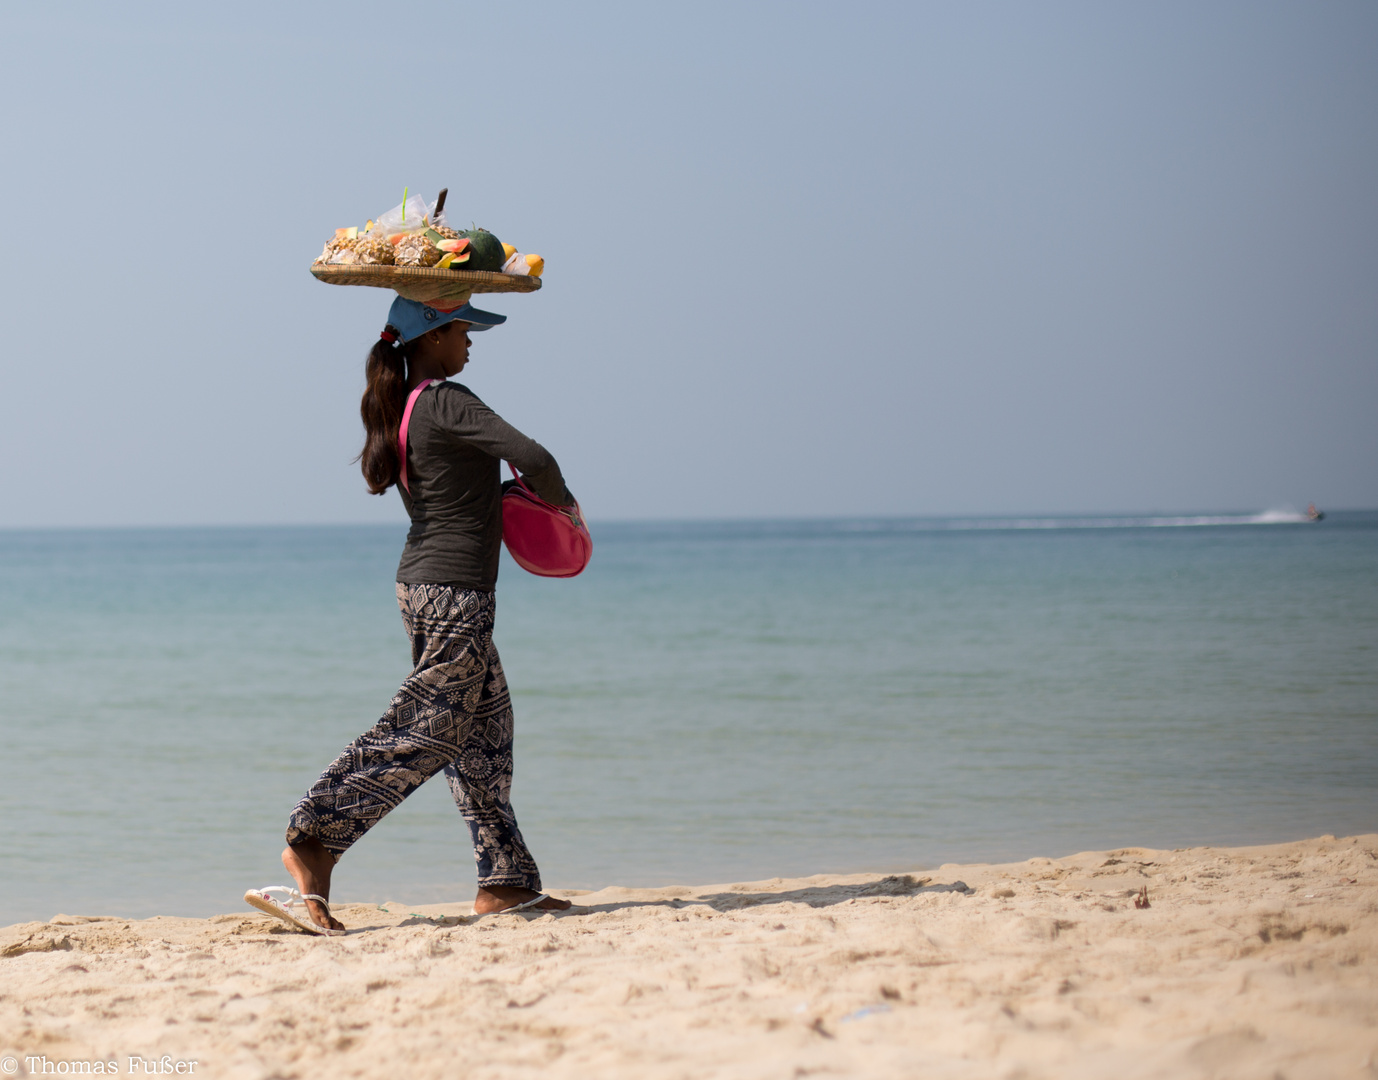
[
  {"x": 282, "y": 909},
  {"x": 515, "y": 909}
]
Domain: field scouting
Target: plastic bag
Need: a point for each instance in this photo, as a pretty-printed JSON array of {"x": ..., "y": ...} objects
[{"x": 411, "y": 215}]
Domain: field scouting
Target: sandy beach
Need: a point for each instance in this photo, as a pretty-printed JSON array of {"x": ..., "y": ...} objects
[{"x": 1247, "y": 962}]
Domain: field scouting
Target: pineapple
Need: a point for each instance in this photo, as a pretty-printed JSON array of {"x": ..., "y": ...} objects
[
  {"x": 373, "y": 251},
  {"x": 417, "y": 250},
  {"x": 333, "y": 249}
]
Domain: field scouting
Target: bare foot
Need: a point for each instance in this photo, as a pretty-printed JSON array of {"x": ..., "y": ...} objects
[
  {"x": 492, "y": 898},
  {"x": 310, "y": 864}
]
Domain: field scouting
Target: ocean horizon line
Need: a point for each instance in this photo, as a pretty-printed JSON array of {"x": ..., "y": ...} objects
[{"x": 843, "y": 523}]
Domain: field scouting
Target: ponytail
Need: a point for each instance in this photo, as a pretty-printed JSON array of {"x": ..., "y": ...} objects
[{"x": 385, "y": 397}]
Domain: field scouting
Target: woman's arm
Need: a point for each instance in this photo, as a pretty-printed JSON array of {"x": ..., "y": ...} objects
[{"x": 469, "y": 420}]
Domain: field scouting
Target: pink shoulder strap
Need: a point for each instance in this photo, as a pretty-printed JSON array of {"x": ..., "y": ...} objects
[{"x": 402, "y": 431}]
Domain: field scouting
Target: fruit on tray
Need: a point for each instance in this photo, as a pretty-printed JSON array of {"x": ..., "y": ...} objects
[
  {"x": 416, "y": 249},
  {"x": 374, "y": 250},
  {"x": 424, "y": 241},
  {"x": 451, "y": 243},
  {"x": 334, "y": 248},
  {"x": 523, "y": 265},
  {"x": 486, "y": 248},
  {"x": 357, "y": 250},
  {"x": 456, "y": 254}
]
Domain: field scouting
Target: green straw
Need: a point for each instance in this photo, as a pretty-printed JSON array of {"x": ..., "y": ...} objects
[{"x": 404, "y": 205}]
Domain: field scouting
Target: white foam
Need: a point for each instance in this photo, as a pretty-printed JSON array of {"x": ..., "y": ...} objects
[{"x": 1182, "y": 521}]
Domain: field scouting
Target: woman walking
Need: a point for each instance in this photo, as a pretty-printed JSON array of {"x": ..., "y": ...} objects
[{"x": 453, "y": 713}]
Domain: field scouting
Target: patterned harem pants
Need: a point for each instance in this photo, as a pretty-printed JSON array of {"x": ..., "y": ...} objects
[{"x": 452, "y": 713}]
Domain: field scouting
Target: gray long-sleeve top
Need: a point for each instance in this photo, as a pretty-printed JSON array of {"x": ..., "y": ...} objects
[{"x": 455, "y": 449}]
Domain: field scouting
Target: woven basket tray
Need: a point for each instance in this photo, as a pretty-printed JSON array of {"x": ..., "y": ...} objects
[{"x": 425, "y": 283}]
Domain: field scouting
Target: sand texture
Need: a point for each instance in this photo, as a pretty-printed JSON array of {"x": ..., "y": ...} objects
[{"x": 1249, "y": 962}]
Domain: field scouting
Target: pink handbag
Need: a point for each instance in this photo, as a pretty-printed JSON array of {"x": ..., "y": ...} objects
[{"x": 544, "y": 539}]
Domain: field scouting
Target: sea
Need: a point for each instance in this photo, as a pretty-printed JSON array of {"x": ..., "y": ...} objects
[{"x": 709, "y": 702}]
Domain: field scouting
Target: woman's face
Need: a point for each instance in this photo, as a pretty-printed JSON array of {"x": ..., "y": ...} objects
[{"x": 449, "y": 347}]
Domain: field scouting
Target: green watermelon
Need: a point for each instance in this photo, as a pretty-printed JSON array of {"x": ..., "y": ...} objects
[{"x": 486, "y": 248}]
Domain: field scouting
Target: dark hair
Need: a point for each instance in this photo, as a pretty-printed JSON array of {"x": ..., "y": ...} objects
[{"x": 385, "y": 397}]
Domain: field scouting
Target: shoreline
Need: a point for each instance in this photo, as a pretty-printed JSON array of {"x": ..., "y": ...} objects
[{"x": 1247, "y": 961}]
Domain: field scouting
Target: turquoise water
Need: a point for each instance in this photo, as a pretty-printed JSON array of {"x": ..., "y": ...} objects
[{"x": 706, "y": 703}]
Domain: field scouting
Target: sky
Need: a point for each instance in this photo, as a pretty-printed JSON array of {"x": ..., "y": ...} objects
[{"x": 803, "y": 260}]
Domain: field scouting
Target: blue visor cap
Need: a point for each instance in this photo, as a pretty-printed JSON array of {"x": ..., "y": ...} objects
[{"x": 413, "y": 318}]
